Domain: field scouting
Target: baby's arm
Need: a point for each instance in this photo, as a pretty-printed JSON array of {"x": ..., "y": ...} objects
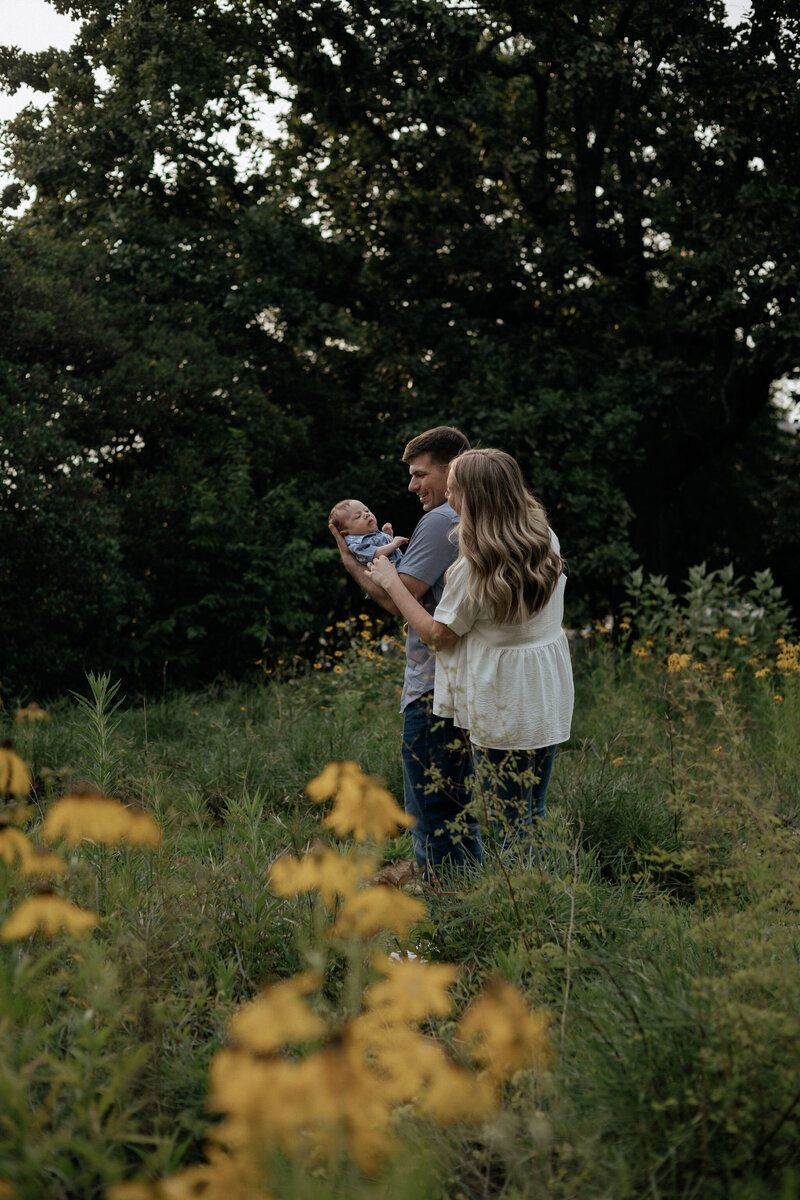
[{"x": 390, "y": 547}]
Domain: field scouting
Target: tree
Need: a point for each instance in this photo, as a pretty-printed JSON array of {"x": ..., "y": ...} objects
[{"x": 571, "y": 229}]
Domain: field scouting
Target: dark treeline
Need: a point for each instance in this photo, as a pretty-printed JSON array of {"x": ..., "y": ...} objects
[{"x": 571, "y": 229}]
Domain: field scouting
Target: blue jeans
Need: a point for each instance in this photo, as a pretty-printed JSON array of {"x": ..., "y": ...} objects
[
  {"x": 435, "y": 777},
  {"x": 510, "y": 786}
]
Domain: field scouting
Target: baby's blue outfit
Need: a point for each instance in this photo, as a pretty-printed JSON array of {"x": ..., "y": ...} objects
[{"x": 364, "y": 545}]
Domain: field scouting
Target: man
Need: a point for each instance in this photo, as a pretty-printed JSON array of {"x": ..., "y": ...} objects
[{"x": 435, "y": 761}]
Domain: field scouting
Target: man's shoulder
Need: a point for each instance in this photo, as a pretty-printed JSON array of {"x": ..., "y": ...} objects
[{"x": 443, "y": 517}]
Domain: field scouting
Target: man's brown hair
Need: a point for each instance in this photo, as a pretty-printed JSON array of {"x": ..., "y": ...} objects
[{"x": 442, "y": 443}]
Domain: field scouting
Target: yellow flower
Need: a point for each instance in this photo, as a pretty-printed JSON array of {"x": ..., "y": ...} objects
[
  {"x": 279, "y": 1015},
  {"x": 337, "y": 669},
  {"x": 363, "y": 808},
  {"x": 31, "y": 712},
  {"x": 15, "y": 778},
  {"x": 48, "y": 913},
  {"x": 6, "y": 1191},
  {"x": 729, "y": 673},
  {"x": 742, "y": 639},
  {"x": 640, "y": 651},
  {"x": 42, "y": 864},
  {"x": 716, "y": 749},
  {"x": 457, "y": 1095},
  {"x": 721, "y": 632},
  {"x": 411, "y": 991},
  {"x": 502, "y": 1033},
  {"x": 376, "y": 908},
  {"x": 323, "y": 870},
  {"x": 777, "y": 698},
  {"x": 100, "y": 819},
  {"x": 14, "y": 845},
  {"x": 620, "y": 758},
  {"x": 678, "y": 662},
  {"x": 330, "y": 779},
  {"x": 763, "y": 671},
  {"x": 698, "y": 666}
]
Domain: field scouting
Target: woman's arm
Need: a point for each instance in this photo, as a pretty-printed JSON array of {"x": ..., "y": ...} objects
[{"x": 432, "y": 633}]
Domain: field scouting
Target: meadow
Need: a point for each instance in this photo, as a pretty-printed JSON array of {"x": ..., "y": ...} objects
[{"x": 618, "y": 1018}]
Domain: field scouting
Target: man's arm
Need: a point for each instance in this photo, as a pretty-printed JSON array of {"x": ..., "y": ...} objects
[{"x": 417, "y": 587}]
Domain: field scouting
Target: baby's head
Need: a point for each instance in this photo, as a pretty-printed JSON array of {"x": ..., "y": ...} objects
[{"x": 352, "y": 517}]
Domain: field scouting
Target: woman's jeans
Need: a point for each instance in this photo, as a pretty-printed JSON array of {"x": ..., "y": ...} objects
[
  {"x": 436, "y": 767},
  {"x": 510, "y": 788}
]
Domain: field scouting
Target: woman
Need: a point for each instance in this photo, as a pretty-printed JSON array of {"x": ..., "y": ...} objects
[{"x": 503, "y": 667}]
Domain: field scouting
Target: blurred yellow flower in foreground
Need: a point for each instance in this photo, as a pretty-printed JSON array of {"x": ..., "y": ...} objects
[
  {"x": 361, "y": 806},
  {"x": 15, "y": 847},
  {"x": 15, "y": 778},
  {"x": 376, "y": 908},
  {"x": 502, "y": 1033},
  {"x": 99, "y": 819},
  {"x": 31, "y": 712},
  {"x": 43, "y": 864},
  {"x": 47, "y": 913},
  {"x": 330, "y": 779},
  {"x": 411, "y": 991},
  {"x": 366, "y": 810},
  {"x": 321, "y": 869},
  {"x": 279, "y": 1015}
]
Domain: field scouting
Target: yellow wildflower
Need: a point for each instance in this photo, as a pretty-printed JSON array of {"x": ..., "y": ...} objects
[
  {"x": 620, "y": 758},
  {"x": 716, "y": 749},
  {"x": 777, "y": 698},
  {"x": 84, "y": 816},
  {"x": 698, "y": 666},
  {"x": 457, "y": 1095},
  {"x": 411, "y": 991},
  {"x": 376, "y": 908},
  {"x": 742, "y": 639},
  {"x": 321, "y": 869},
  {"x": 14, "y": 845},
  {"x": 31, "y": 712},
  {"x": 330, "y": 779},
  {"x": 6, "y": 1190},
  {"x": 729, "y": 673},
  {"x": 366, "y": 810},
  {"x": 43, "y": 864},
  {"x": 15, "y": 778},
  {"x": 502, "y": 1033},
  {"x": 677, "y": 663},
  {"x": 721, "y": 632},
  {"x": 47, "y": 913},
  {"x": 337, "y": 669},
  {"x": 788, "y": 659},
  {"x": 763, "y": 671},
  {"x": 279, "y": 1015},
  {"x": 640, "y": 651}
]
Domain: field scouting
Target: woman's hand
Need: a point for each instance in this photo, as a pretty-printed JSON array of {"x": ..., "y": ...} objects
[{"x": 383, "y": 572}]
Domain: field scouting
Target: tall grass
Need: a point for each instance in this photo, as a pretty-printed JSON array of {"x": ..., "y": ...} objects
[{"x": 658, "y": 925}]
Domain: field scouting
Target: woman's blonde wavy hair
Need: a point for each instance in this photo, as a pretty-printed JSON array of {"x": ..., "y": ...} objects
[{"x": 504, "y": 536}]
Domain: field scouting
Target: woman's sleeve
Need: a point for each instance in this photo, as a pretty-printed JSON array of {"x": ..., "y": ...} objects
[{"x": 457, "y": 609}]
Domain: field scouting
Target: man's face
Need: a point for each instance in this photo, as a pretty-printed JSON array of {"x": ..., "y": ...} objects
[
  {"x": 428, "y": 481},
  {"x": 359, "y": 519}
]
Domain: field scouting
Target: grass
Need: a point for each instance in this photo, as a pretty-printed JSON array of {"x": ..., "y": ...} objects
[{"x": 659, "y": 928}]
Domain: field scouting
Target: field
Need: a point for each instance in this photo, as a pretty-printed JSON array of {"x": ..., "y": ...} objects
[{"x": 620, "y": 1018}]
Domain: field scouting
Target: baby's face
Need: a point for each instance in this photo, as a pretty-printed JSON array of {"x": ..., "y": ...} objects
[{"x": 359, "y": 519}]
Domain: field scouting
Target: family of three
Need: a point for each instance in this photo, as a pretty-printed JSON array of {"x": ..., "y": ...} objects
[{"x": 487, "y": 694}]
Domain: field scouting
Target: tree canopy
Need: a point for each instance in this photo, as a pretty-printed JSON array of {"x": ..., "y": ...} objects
[{"x": 572, "y": 230}]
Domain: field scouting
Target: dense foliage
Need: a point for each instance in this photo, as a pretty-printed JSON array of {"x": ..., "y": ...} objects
[{"x": 566, "y": 228}]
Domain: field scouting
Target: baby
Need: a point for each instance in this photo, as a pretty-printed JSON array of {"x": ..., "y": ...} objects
[{"x": 360, "y": 529}]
